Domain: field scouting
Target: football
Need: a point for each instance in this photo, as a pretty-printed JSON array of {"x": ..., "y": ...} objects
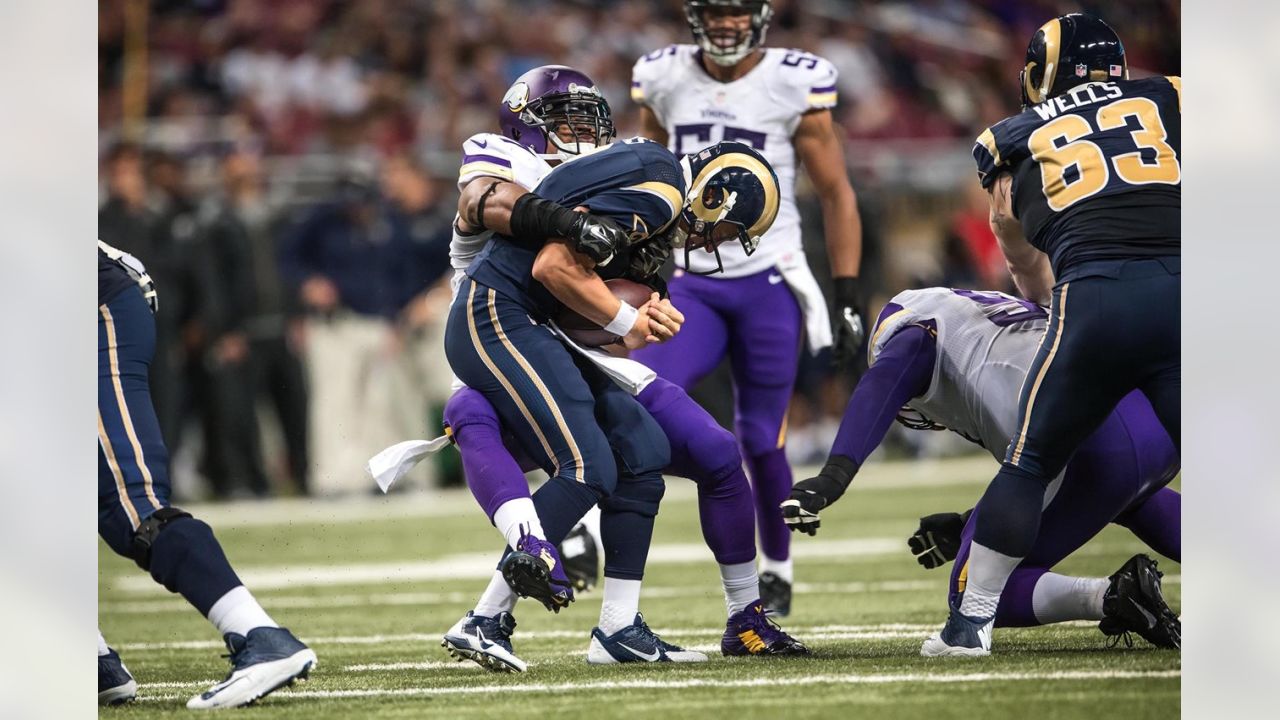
[{"x": 589, "y": 334}]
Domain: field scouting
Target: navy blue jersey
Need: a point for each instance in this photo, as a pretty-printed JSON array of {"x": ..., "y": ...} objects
[
  {"x": 112, "y": 279},
  {"x": 1096, "y": 171},
  {"x": 636, "y": 183}
]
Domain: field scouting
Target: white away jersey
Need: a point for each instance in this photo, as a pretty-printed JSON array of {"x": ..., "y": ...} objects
[
  {"x": 986, "y": 341},
  {"x": 760, "y": 109},
  {"x": 491, "y": 155}
]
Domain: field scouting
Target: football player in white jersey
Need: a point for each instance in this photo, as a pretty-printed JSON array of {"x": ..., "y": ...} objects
[
  {"x": 728, "y": 87},
  {"x": 956, "y": 359},
  {"x": 551, "y": 115}
]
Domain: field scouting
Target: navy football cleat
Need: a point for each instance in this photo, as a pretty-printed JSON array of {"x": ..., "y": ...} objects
[
  {"x": 776, "y": 594},
  {"x": 962, "y": 636},
  {"x": 636, "y": 643},
  {"x": 115, "y": 685},
  {"x": 263, "y": 661},
  {"x": 534, "y": 570},
  {"x": 484, "y": 640},
  {"x": 750, "y": 632},
  {"x": 1134, "y": 602},
  {"x": 581, "y": 560}
]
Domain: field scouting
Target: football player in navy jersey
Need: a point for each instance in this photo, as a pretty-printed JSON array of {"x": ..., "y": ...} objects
[
  {"x": 137, "y": 521},
  {"x": 550, "y": 115},
  {"x": 1085, "y": 186},
  {"x": 498, "y": 345}
]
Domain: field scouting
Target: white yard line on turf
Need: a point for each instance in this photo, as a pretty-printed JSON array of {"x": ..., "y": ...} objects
[
  {"x": 477, "y": 566},
  {"x": 943, "y": 472},
  {"x": 805, "y": 631},
  {"x": 414, "y": 599},
  {"x": 698, "y": 683}
]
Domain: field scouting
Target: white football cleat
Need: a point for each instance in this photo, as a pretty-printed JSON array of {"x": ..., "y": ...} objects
[
  {"x": 485, "y": 641},
  {"x": 636, "y": 643},
  {"x": 962, "y": 636},
  {"x": 265, "y": 660}
]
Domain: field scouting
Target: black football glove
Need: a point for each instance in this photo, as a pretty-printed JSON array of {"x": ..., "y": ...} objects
[
  {"x": 937, "y": 540},
  {"x": 647, "y": 259},
  {"x": 808, "y": 497},
  {"x": 599, "y": 238},
  {"x": 846, "y": 317}
]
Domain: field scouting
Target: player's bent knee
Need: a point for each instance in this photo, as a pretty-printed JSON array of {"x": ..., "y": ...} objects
[
  {"x": 149, "y": 531},
  {"x": 715, "y": 454},
  {"x": 469, "y": 407},
  {"x": 640, "y": 494},
  {"x": 599, "y": 470}
]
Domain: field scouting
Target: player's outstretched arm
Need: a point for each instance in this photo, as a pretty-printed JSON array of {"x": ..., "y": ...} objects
[
  {"x": 903, "y": 370},
  {"x": 507, "y": 208},
  {"x": 819, "y": 148},
  {"x": 1030, "y": 267}
]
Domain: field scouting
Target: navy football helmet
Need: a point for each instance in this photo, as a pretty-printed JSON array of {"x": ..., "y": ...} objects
[
  {"x": 719, "y": 47},
  {"x": 1068, "y": 51},
  {"x": 732, "y": 195},
  {"x": 556, "y": 111}
]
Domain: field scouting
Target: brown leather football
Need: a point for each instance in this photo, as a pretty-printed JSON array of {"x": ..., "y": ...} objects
[{"x": 588, "y": 334}]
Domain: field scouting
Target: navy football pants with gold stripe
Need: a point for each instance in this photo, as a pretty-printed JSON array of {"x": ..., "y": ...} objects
[
  {"x": 596, "y": 441},
  {"x": 133, "y": 463},
  {"x": 1108, "y": 334}
]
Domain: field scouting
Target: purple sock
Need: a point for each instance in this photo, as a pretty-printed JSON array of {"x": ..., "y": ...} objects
[
  {"x": 1158, "y": 523},
  {"x": 493, "y": 475},
  {"x": 708, "y": 454},
  {"x": 771, "y": 479}
]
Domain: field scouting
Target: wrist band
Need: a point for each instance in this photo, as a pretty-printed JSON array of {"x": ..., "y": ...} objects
[{"x": 623, "y": 321}]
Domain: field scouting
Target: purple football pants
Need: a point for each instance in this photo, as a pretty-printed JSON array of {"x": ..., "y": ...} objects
[
  {"x": 701, "y": 450},
  {"x": 1117, "y": 476},
  {"x": 756, "y": 321}
]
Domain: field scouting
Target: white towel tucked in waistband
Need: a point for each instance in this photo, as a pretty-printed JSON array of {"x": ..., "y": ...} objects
[
  {"x": 391, "y": 464},
  {"x": 817, "y": 321},
  {"x": 628, "y": 374}
]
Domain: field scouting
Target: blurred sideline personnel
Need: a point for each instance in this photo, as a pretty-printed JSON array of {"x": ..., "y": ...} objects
[
  {"x": 1093, "y": 224},
  {"x": 956, "y": 359},
  {"x": 251, "y": 355},
  {"x": 358, "y": 264},
  {"x": 700, "y": 448},
  {"x": 726, "y": 87},
  {"x": 137, "y": 521}
]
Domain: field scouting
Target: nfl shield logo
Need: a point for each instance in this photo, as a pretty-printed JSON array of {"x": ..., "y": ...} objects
[
  {"x": 1116, "y": 71},
  {"x": 1082, "y": 70}
]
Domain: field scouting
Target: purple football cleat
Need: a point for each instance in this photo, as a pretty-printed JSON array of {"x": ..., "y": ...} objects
[
  {"x": 750, "y": 631},
  {"x": 534, "y": 570}
]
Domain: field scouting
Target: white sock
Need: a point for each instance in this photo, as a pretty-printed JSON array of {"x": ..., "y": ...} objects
[
  {"x": 512, "y": 515},
  {"x": 781, "y": 568},
  {"x": 497, "y": 598},
  {"x": 988, "y": 572},
  {"x": 620, "y": 605},
  {"x": 741, "y": 585},
  {"x": 102, "y": 645},
  {"x": 592, "y": 522},
  {"x": 237, "y": 612},
  {"x": 1058, "y": 598}
]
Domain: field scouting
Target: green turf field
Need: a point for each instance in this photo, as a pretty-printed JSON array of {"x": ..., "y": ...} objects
[{"x": 371, "y": 584}]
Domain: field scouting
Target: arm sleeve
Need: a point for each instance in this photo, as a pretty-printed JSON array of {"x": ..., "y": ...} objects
[{"x": 903, "y": 370}]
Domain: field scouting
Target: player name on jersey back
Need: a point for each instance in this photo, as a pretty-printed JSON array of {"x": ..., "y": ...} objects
[
  {"x": 761, "y": 109},
  {"x": 1097, "y": 171}
]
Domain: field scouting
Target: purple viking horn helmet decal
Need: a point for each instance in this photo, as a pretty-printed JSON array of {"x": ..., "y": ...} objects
[{"x": 556, "y": 110}]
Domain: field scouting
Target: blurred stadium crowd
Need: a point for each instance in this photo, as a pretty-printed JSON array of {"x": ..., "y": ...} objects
[{"x": 240, "y": 137}]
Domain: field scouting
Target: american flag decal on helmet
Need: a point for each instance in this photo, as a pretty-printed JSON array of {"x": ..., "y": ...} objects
[{"x": 1116, "y": 71}]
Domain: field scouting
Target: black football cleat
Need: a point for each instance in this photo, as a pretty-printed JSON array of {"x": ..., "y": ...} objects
[
  {"x": 776, "y": 594},
  {"x": 1135, "y": 603},
  {"x": 581, "y": 560}
]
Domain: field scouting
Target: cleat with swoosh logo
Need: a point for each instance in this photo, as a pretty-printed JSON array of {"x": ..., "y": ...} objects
[
  {"x": 486, "y": 641},
  {"x": 636, "y": 643},
  {"x": 962, "y": 636}
]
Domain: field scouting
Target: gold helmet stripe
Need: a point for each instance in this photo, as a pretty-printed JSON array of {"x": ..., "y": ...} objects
[
  {"x": 762, "y": 173},
  {"x": 1052, "y": 50}
]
